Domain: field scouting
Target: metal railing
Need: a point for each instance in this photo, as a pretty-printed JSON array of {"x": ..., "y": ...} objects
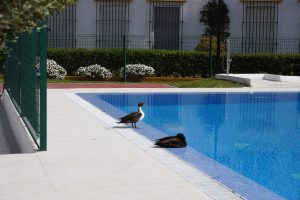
[
  {"x": 238, "y": 44},
  {"x": 26, "y": 83},
  {"x": 133, "y": 42},
  {"x": 260, "y": 45}
]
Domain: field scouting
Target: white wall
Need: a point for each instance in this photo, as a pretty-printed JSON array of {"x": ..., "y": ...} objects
[
  {"x": 236, "y": 15},
  {"x": 86, "y": 17},
  {"x": 191, "y": 17},
  {"x": 19, "y": 129},
  {"x": 289, "y": 18},
  {"x": 86, "y": 23}
]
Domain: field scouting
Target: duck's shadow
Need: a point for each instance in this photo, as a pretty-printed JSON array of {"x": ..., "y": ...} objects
[
  {"x": 157, "y": 147},
  {"x": 125, "y": 127}
]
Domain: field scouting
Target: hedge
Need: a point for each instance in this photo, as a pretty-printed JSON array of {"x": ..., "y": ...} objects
[
  {"x": 167, "y": 62},
  {"x": 164, "y": 62},
  {"x": 264, "y": 63},
  {"x": 1, "y": 59}
]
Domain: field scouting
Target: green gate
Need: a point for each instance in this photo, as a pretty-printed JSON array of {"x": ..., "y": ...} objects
[{"x": 25, "y": 80}]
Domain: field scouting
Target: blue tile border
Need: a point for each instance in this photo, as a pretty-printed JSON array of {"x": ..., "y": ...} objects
[{"x": 234, "y": 181}]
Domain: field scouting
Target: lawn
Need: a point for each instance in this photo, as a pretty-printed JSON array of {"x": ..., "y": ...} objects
[
  {"x": 206, "y": 83},
  {"x": 176, "y": 82},
  {"x": 180, "y": 83}
]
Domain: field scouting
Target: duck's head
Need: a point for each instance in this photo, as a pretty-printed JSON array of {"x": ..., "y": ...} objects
[
  {"x": 180, "y": 136},
  {"x": 140, "y": 104}
]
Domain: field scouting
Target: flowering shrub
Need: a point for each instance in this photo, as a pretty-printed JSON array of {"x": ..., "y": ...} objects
[
  {"x": 94, "y": 71},
  {"x": 137, "y": 71},
  {"x": 54, "y": 70}
]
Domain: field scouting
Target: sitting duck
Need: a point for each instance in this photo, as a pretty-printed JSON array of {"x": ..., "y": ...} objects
[
  {"x": 177, "y": 141},
  {"x": 134, "y": 117}
]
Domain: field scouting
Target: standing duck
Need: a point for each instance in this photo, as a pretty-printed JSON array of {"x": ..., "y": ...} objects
[
  {"x": 177, "y": 141},
  {"x": 134, "y": 117}
]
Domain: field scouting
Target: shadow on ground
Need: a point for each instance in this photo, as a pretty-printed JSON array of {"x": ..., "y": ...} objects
[{"x": 8, "y": 144}]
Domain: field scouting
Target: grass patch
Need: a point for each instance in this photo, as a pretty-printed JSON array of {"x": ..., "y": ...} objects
[
  {"x": 183, "y": 83},
  {"x": 206, "y": 83},
  {"x": 92, "y": 81}
]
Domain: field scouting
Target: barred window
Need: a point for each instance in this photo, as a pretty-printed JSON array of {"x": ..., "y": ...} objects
[
  {"x": 165, "y": 31},
  {"x": 112, "y": 19},
  {"x": 62, "y": 28},
  {"x": 260, "y": 23}
]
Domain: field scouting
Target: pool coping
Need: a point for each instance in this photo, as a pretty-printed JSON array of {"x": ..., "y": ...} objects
[{"x": 206, "y": 181}]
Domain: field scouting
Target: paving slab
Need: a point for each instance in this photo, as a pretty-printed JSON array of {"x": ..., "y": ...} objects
[
  {"x": 262, "y": 80},
  {"x": 88, "y": 160},
  {"x": 8, "y": 143}
]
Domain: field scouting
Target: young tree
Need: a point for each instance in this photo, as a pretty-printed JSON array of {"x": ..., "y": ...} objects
[
  {"x": 209, "y": 17},
  {"x": 25, "y": 15}
]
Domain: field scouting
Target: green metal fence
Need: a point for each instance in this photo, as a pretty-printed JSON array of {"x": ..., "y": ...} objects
[
  {"x": 239, "y": 44},
  {"x": 25, "y": 79}
]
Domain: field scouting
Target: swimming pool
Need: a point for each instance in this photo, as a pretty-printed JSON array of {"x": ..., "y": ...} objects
[{"x": 253, "y": 134}]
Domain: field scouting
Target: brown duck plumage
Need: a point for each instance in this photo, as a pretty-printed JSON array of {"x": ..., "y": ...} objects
[
  {"x": 133, "y": 117},
  {"x": 177, "y": 141}
]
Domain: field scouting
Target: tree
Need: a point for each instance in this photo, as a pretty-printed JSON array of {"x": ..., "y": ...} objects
[
  {"x": 209, "y": 17},
  {"x": 25, "y": 15}
]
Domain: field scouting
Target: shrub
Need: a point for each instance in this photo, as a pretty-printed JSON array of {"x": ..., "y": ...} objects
[
  {"x": 137, "y": 71},
  {"x": 72, "y": 59},
  {"x": 95, "y": 72},
  {"x": 264, "y": 63},
  {"x": 205, "y": 43},
  {"x": 54, "y": 70},
  {"x": 1, "y": 59},
  {"x": 167, "y": 62},
  {"x": 208, "y": 17}
]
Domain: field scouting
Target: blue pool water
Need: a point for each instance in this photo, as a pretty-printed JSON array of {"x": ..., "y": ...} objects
[{"x": 256, "y": 135}]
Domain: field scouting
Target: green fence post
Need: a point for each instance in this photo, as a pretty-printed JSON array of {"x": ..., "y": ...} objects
[
  {"x": 124, "y": 56},
  {"x": 43, "y": 89},
  {"x": 210, "y": 56}
]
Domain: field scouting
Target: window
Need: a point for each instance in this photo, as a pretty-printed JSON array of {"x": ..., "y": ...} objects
[
  {"x": 112, "y": 19},
  {"x": 260, "y": 22},
  {"x": 165, "y": 29},
  {"x": 62, "y": 28}
]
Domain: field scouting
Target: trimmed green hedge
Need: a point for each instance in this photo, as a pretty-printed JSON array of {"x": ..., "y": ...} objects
[
  {"x": 164, "y": 62},
  {"x": 264, "y": 63},
  {"x": 169, "y": 62},
  {"x": 1, "y": 59}
]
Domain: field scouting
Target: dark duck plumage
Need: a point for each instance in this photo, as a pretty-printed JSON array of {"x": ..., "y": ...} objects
[
  {"x": 134, "y": 117},
  {"x": 177, "y": 141}
]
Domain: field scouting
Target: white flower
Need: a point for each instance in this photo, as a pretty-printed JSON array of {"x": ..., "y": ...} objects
[
  {"x": 137, "y": 70},
  {"x": 54, "y": 70},
  {"x": 94, "y": 71}
]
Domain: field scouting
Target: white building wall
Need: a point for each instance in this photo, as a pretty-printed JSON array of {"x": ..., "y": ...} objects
[
  {"x": 191, "y": 18},
  {"x": 236, "y": 16},
  {"x": 138, "y": 24},
  {"x": 86, "y": 17},
  {"x": 139, "y": 17},
  {"x": 86, "y": 24},
  {"x": 289, "y": 20}
]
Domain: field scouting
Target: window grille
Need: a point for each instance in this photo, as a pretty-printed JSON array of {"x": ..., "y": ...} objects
[
  {"x": 165, "y": 25},
  {"x": 112, "y": 21},
  {"x": 260, "y": 23},
  {"x": 62, "y": 28}
]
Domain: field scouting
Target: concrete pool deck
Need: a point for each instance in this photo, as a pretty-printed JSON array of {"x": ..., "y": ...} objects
[
  {"x": 88, "y": 159},
  {"x": 262, "y": 80}
]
